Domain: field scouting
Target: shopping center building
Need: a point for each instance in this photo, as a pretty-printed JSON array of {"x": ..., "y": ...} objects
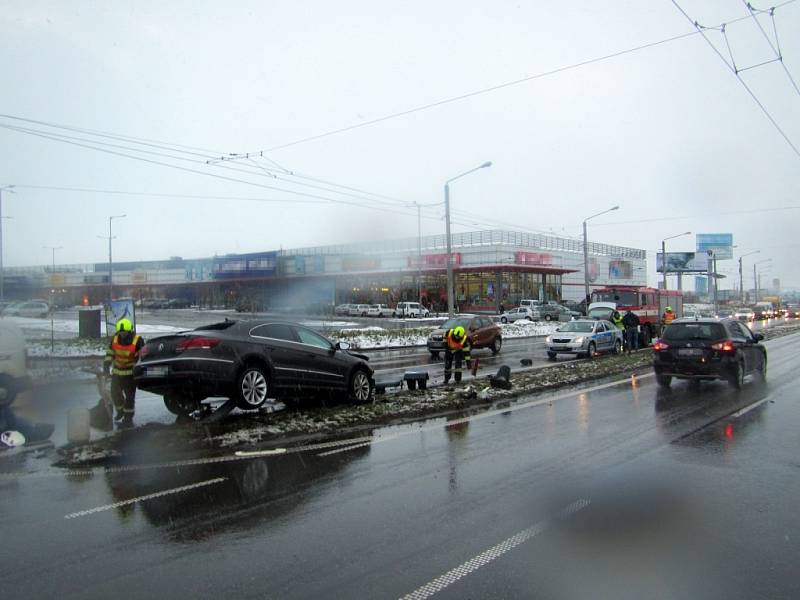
[{"x": 492, "y": 268}]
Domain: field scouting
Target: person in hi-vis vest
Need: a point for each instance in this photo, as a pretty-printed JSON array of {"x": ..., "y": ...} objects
[{"x": 120, "y": 358}]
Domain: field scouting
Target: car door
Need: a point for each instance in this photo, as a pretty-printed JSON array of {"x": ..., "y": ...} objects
[
  {"x": 278, "y": 342},
  {"x": 743, "y": 339},
  {"x": 323, "y": 369},
  {"x": 604, "y": 336}
]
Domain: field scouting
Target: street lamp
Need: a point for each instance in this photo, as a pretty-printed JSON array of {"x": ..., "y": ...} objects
[
  {"x": 586, "y": 255},
  {"x": 664, "y": 254},
  {"x": 755, "y": 278},
  {"x": 741, "y": 278},
  {"x": 110, "y": 263},
  {"x": 450, "y": 283},
  {"x": 7, "y": 188},
  {"x": 52, "y": 295}
]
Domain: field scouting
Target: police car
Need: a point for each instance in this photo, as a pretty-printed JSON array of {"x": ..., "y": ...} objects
[{"x": 584, "y": 337}]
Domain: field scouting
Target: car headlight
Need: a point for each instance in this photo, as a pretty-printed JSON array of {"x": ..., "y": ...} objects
[
  {"x": 578, "y": 340},
  {"x": 548, "y": 340}
]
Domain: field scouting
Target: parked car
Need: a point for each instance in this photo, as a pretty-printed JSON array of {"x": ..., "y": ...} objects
[
  {"x": 411, "y": 309},
  {"x": 482, "y": 332},
  {"x": 380, "y": 310},
  {"x": 529, "y": 302},
  {"x": 250, "y": 362},
  {"x": 342, "y": 310},
  {"x": 584, "y": 337},
  {"x": 708, "y": 349},
  {"x": 515, "y": 314},
  {"x": 30, "y": 309},
  {"x": 13, "y": 371},
  {"x": 358, "y": 310},
  {"x": 551, "y": 312}
]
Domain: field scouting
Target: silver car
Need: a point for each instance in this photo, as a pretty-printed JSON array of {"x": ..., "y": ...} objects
[
  {"x": 551, "y": 312},
  {"x": 584, "y": 337},
  {"x": 515, "y": 314}
]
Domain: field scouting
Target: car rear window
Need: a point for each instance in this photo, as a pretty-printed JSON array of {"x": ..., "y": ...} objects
[
  {"x": 694, "y": 331},
  {"x": 217, "y": 326}
]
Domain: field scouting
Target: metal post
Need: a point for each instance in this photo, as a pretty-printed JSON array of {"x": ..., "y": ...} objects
[
  {"x": 716, "y": 284},
  {"x": 755, "y": 282},
  {"x": 741, "y": 282},
  {"x": 110, "y": 267},
  {"x": 664, "y": 262},
  {"x": 450, "y": 282},
  {"x": 585, "y": 269},
  {"x": 419, "y": 253}
]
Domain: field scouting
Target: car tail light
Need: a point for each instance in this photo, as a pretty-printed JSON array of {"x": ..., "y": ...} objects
[
  {"x": 660, "y": 346},
  {"x": 144, "y": 351},
  {"x": 197, "y": 343},
  {"x": 724, "y": 346}
]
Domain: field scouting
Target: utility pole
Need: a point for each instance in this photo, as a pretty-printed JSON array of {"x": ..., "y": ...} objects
[
  {"x": 755, "y": 282},
  {"x": 419, "y": 253},
  {"x": 8, "y": 188},
  {"x": 52, "y": 296},
  {"x": 110, "y": 261}
]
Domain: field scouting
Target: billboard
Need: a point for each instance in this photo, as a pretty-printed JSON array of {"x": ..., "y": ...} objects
[
  {"x": 683, "y": 262},
  {"x": 533, "y": 258},
  {"x": 721, "y": 244},
  {"x": 701, "y": 285},
  {"x": 119, "y": 309},
  {"x": 620, "y": 269},
  {"x": 245, "y": 265}
]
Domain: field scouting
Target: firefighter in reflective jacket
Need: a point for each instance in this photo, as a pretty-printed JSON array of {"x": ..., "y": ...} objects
[
  {"x": 458, "y": 347},
  {"x": 120, "y": 359},
  {"x": 668, "y": 316}
]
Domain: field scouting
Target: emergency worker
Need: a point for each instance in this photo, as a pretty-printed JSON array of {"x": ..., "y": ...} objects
[
  {"x": 458, "y": 348},
  {"x": 668, "y": 316},
  {"x": 616, "y": 318},
  {"x": 120, "y": 358},
  {"x": 631, "y": 322}
]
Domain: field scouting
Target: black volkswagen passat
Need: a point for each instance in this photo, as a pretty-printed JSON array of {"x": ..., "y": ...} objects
[
  {"x": 250, "y": 362},
  {"x": 706, "y": 348}
]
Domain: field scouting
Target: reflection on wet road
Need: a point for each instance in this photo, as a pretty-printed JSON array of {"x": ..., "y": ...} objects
[{"x": 689, "y": 491}]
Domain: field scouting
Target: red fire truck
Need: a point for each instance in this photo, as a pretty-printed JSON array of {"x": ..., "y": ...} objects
[{"x": 647, "y": 303}]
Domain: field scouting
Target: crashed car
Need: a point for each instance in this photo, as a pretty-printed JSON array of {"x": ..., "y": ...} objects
[
  {"x": 482, "y": 332},
  {"x": 584, "y": 337},
  {"x": 250, "y": 362}
]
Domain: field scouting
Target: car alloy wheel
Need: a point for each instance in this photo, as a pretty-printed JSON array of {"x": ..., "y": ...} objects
[
  {"x": 547, "y": 317},
  {"x": 617, "y": 347},
  {"x": 503, "y": 320},
  {"x": 252, "y": 388},
  {"x": 360, "y": 387},
  {"x": 592, "y": 350}
]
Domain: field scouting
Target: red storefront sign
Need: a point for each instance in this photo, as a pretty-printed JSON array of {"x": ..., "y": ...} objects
[
  {"x": 433, "y": 260},
  {"x": 533, "y": 258}
]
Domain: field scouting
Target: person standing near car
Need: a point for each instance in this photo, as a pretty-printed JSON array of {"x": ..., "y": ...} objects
[
  {"x": 120, "y": 358},
  {"x": 458, "y": 349},
  {"x": 616, "y": 319},
  {"x": 631, "y": 323}
]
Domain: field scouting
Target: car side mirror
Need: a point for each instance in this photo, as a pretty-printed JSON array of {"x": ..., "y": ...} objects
[
  {"x": 758, "y": 337},
  {"x": 342, "y": 345}
]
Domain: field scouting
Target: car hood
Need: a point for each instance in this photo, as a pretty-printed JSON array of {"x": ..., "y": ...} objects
[
  {"x": 358, "y": 355},
  {"x": 569, "y": 335}
]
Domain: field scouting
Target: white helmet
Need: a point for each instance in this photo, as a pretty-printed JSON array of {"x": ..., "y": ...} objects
[{"x": 12, "y": 439}]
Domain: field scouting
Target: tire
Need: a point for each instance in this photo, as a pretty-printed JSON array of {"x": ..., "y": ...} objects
[
  {"x": 434, "y": 355},
  {"x": 394, "y": 315},
  {"x": 617, "y": 347},
  {"x": 503, "y": 319},
  {"x": 551, "y": 355},
  {"x": 497, "y": 344},
  {"x": 737, "y": 377},
  {"x": 360, "y": 388},
  {"x": 252, "y": 388},
  {"x": 529, "y": 319},
  {"x": 663, "y": 380},
  {"x": 547, "y": 318},
  {"x": 762, "y": 370},
  {"x": 591, "y": 351},
  {"x": 180, "y": 404}
]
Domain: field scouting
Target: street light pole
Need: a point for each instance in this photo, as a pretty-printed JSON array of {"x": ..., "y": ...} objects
[
  {"x": 757, "y": 280},
  {"x": 110, "y": 262},
  {"x": 450, "y": 282},
  {"x": 8, "y": 188},
  {"x": 664, "y": 254},
  {"x": 586, "y": 255},
  {"x": 52, "y": 296},
  {"x": 741, "y": 278}
]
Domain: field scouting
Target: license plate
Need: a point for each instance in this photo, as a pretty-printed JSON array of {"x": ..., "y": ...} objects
[
  {"x": 690, "y": 352},
  {"x": 157, "y": 371},
  {"x": 560, "y": 348}
]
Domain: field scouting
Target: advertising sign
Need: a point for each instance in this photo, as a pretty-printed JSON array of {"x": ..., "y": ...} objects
[
  {"x": 620, "y": 269},
  {"x": 119, "y": 309},
  {"x": 683, "y": 262},
  {"x": 721, "y": 244},
  {"x": 245, "y": 265},
  {"x": 360, "y": 263},
  {"x": 701, "y": 285},
  {"x": 433, "y": 260},
  {"x": 533, "y": 258}
]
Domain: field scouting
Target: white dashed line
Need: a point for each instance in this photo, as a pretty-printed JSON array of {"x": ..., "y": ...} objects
[
  {"x": 747, "y": 409},
  {"x": 176, "y": 490},
  {"x": 484, "y": 558}
]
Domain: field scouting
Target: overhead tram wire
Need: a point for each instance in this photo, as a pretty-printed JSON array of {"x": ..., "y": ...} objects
[
  {"x": 700, "y": 29},
  {"x": 486, "y": 90},
  {"x": 777, "y": 47},
  {"x": 689, "y": 217}
]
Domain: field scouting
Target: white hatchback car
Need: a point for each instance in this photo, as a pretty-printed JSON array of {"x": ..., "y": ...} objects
[{"x": 13, "y": 371}]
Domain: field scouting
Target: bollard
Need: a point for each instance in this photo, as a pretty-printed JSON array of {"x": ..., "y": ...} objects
[{"x": 78, "y": 426}]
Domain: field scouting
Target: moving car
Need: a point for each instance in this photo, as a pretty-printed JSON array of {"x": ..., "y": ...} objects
[
  {"x": 763, "y": 310},
  {"x": 380, "y": 310},
  {"x": 250, "y": 362},
  {"x": 708, "y": 349},
  {"x": 584, "y": 337},
  {"x": 515, "y": 314},
  {"x": 792, "y": 311},
  {"x": 411, "y": 309},
  {"x": 482, "y": 332},
  {"x": 13, "y": 371},
  {"x": 744, "y": 314}
]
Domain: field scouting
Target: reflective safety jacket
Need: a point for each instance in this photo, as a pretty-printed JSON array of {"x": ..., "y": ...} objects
[
  {"x": 123, "y": 357},
  {"x": 454, "y": 344},
  {"x": 668, "y": 317},
  {"x": 618, "y": 323}
]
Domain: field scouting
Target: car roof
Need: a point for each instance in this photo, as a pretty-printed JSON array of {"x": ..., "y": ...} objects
[{"x": 700, "y": 320}]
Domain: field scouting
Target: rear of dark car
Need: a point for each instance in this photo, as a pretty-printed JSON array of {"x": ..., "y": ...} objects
[{"x": 707, "y": 349}]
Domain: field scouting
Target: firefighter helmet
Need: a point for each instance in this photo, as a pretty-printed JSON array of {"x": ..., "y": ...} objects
[
  {"x": 124, "y": 325},
  {"x": 459, "y": 332},
  {"x": 669, "y": 309}
]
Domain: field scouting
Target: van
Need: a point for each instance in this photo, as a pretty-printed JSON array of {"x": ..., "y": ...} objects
[
  {"x": 411, "y": 309},
  {"x": 13, "y": 371},
  {"x": 529, "y": 303}
]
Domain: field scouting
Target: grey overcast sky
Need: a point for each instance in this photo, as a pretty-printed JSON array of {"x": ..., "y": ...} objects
[{"x": 668, "y": 132}]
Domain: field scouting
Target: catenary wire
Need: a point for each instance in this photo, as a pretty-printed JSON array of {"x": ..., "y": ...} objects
[{"x": 775, "y": 49}]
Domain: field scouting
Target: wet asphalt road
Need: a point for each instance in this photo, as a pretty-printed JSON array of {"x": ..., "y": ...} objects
[{"x": 686, "y": 493}]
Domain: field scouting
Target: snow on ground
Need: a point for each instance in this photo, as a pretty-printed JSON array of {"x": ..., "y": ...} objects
[
  {"x": 71, "y": 326},
  {"x": 525, "y": 328}
]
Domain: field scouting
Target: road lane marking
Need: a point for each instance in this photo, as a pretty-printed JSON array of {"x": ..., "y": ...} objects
[
  {"x": 177, "y": 490},
  {"x": 346, "y": 448},
  {"x": 747, "y": 409},
  {"x": 493, "y": 553},
  {"x": 257, "y": 453}
]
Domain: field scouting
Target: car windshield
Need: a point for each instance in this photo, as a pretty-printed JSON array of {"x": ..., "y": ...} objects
[
  {"x": 694, "y": 331},
  {"x": 578, "y": 326},
  {"x": 457, "y": 322}
]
